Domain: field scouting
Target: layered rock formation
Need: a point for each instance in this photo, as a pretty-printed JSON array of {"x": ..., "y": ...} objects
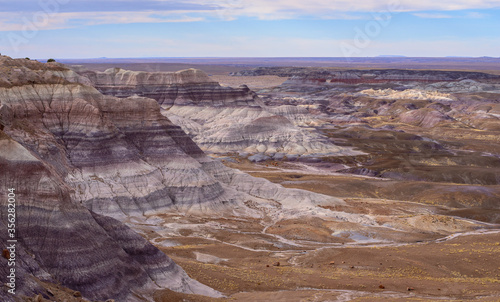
[
  {"x": 395, "y": 105},
  {"x": 90, "y": 137},
  {"x": 464, "y": 86},
  {"x": 62, "y": 241},
  {"x": 299, "y": 75},
  {"x": 59, "y": 141},
  {"x": 77, "y": 158},
  {"x": 425, "y": 117},
  {"x": 91, "y": 169},
  {"x": 186, "y": 87},
  {"x": 221, "y": 119},
  {"x": 408, "y": 94}
]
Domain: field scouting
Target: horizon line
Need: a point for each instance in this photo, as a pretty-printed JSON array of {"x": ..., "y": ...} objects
[{"x": 278, "y": 57}]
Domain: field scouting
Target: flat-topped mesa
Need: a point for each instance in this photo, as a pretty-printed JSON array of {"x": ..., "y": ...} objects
[
  {"x": 325, "y": 75},
  {"x": 190, "y": 86}
]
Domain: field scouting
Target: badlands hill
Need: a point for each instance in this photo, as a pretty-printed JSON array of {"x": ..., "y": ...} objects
[
  {"x": 368, "y": 183},
  {"x": 434, "y": 133},
  {"x": 58, "y": 139},
  {"x": 76, "y": 158},
  {"x": 221, "y": 119},
  {"x": 330, "y": 75}
]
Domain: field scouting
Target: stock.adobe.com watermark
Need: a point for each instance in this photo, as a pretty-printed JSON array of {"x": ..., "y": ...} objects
[
  {"x": 31, "y": 25},
  {"x": 10, "y": 251},
  {"x": 364, "y": 36}
]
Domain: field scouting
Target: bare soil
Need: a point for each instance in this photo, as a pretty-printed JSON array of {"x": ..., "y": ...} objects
[{"x": 460, "y": 269}]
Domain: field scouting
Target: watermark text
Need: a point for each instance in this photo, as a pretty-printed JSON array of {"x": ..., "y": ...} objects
[{"x": 10, "y": 252}]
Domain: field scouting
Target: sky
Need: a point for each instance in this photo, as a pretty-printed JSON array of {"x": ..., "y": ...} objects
[{"x": 249, "y": 28}]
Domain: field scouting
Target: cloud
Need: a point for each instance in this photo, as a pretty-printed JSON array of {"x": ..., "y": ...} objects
[
  {"x": 43, "y": 21},
  {"x": 476, "y": 15},
  {"x": 22, "y": 15},
  {"x": 470, "y": 15},
  {"x": 72, "y": 13},
  {"x": 285, "y": 9},
  {"x": 432, "y": 15},
  {"x": 68, "y": 6}
]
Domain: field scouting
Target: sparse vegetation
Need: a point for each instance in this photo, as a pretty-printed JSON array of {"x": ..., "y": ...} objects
[{"x": 50, "y": 60}]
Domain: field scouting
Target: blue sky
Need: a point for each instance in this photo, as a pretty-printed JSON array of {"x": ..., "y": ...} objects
[{"x": 248, "y": 28}]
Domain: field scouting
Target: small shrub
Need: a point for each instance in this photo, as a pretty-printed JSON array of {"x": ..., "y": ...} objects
[{"x": 50, "y": 60}]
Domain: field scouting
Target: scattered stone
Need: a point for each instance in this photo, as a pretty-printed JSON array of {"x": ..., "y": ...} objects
[
  {"x": 6, "y": 254},
  {"x": 410, "y": 288},
  {"x": 276, "y": 264},
  {"x": 50, "y": 292},
  {"x": 77, "y": 294},
  {"x": 381, "y": 286},
  {"x": 352, "y": 266},
  {"x": 38, "y": 298},
  {"x": 332, "y": 262}
]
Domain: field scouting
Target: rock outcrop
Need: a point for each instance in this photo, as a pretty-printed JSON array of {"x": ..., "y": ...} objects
[
  {"x": 127, "y": 143},
  {"x": 82, "y": 163},
  {"x": 60, "y": 241},
  {"x": 190, "y": 86},
  {"x": 59, "y": 141},
  {"x": 221, "y": 119},
  {"x": 425, "y": 117},
  {"x": 315, "y": 75},
  {"x": 408, "y": 94},
  {"x": 463, "y": 86}
]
